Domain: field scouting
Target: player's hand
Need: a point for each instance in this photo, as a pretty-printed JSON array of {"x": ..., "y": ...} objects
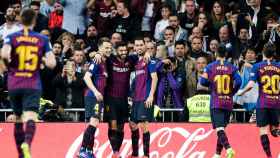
[
  {"x": 240, "y": 92},
  {"x": 147, "y": 57},
  {"x": 99, "y": 96},
  {"x": 166, "y": 61},
  {"x": 149, "y": 102},
  {"x": 97, "y": 58}
]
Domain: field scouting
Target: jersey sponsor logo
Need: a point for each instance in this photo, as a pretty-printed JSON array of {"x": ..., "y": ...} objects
[
  {"x": 118, "y": 69},
  {"x": 139, "y": 72}
]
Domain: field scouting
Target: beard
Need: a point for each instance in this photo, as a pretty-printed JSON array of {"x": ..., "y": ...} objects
[{"x": 10, "y": 17}]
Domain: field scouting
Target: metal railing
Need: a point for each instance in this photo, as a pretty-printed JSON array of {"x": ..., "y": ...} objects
[{"x": 164, "y": 112}]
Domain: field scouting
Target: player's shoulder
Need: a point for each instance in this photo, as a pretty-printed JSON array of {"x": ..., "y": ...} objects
[{"x": 38, "y": 35}]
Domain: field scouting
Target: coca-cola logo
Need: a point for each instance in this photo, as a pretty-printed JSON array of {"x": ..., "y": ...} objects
[{"x": 165, "y": 142}]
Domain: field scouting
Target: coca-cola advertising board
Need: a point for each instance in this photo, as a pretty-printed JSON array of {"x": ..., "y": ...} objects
[{"x": 168, "y": 140}]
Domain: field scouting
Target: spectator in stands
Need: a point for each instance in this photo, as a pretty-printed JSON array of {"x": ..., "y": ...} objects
[
  {"x": 151, "y": 48},
  {"x": 79, "y": 59},
  {"x": 116, "y": 38},
  {"x": 16, "y": 4},
  {"x": 126, "y": 23},
  {"x": 91, "y": 38},
  {"x": 56, "y": 16},
  {"x": 196, "y": 49},
  {"x": 149, "y": 11},
  {"x": 213, "y": 47},
  {"x": 57, "y": 51},
  {"x": 47, "y": 6},
  {"x": 230, "y": 44},
  {"x": 11, "y": 25},
  {"x": 161, "y": 51},
  {"x": 218, "y": 16},
  {"x": 243, "y": 42},
  {"x": 187, "y": 19},
  {"x": 41, "y": 20},
  {"x": 105, "y": 10},
  {"x": 67, "y": 39},
  {"x": 74, "y": 15},
  {"x": 204, "y": 24},
  {"x": 163, "y": 22},
  {"x": 169, "y": 40},
  {"x": 69, "y": 87},
  {"x": 180, "y": 33},
  {"x": 3, "y": 8},
  {"x": 201, "y": 63}
]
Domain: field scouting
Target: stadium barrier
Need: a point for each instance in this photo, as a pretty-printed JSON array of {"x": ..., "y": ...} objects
[
  {"x": 164, "y": 111},
  {"x": 168, "y": 140}
]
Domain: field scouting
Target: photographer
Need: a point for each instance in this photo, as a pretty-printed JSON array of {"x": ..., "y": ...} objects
[{"x": 69, "y": 87}]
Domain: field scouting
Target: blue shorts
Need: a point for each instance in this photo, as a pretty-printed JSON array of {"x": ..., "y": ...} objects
[
  {"x": 220, "y": 117},
  {"x": 266, "y": 116},
  {"x": 92, "y": 108},
  {"x": 139, "y": 113},
  {"x": 24, "y": 100}
]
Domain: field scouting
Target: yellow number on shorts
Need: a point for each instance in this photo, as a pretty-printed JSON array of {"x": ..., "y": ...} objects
[
  {"x": 271, "y": 85},
  {"x": 28, "y": 58},
  {"x": 223, "y": 84}
]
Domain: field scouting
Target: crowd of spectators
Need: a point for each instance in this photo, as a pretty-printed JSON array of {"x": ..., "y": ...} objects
[{"x": 186, "y": 32}]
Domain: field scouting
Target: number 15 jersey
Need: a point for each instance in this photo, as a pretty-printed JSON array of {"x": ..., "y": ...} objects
[
  {"x": 224, "y": 82},
  {"x": 26, "y": 57},
  {"x": 268, "y": 77}
]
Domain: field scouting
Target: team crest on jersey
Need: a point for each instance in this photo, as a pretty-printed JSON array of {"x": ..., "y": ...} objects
[{"x": 7, "y": 40}]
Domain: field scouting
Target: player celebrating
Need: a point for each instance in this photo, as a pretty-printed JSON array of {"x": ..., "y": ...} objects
[
  {"x": 224, "y": 81},
  {"x": 95, "y": 79},
  {"x": 143, "y": 96},
  {"x": 267, "y": 75},
  {"x": 24, "y": 51}
]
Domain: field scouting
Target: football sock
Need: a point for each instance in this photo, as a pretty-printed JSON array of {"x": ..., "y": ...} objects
[
  {"x": 19, "y": 136},
  {"x": 112, "y": 135},
  {"x": 222, "y": 137},
  {"x": 120, "y": 136},
  {"x": 219, "y": 147},
  {"x": 135, "y": 138},
  {"x": 88, "y": 139},
  {"x": 29, "y": 131},
  {"x": 266, "y": 144},
  {"x": 146, "y": 143}
]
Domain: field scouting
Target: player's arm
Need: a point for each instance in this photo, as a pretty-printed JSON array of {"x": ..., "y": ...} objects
[
  {"x": 89, "y": 83},
  {"x": 150, "y": 99},
  {"x": 203, "y": 79},
  {"x": 153, "y": 73},
  {"x": 6, "y": 52},
  {"x": 6, "y": 49},
  {"x": 50, "y": 61}
]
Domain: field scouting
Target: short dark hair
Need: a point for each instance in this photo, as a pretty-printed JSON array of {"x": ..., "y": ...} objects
[
  {"x": 169, "y": 28},
  {"x": 121, "y": 44},
  {"x": 57, "y": 42},
  {"x": 269, "y": 50},
  {"x": 222, "y": 51},
  {"x": 36, "y": 3},
  {"x": 139, "y": 38},
  {"x": 102, "y": 40},
  {"x": 28, "y": 16},
  {"x": 125, "y": 4},
  {"x": 180, "y": 42}
]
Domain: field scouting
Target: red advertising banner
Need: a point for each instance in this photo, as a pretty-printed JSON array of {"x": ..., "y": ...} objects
[{"x": 168, "y": 140}]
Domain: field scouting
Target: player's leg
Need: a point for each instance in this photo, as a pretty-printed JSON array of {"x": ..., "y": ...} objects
[
  {"x": 274, "y": 122},
  {"x": 220, "y": 120},
  {"x": 16, "y": 103},
  {"x": 92, "y": 115},
  {"x": 134, "y": 138},
  {"x": 146, "y": 138},
  {"x": 112, "y": 130},
  {"x": 219, "y": 146},
  {"x": 146, "y": 116},
  {"x": 31, "y": 99},
  {"x": 263, "y": 124},
  {"x": 134, "y": 129}
]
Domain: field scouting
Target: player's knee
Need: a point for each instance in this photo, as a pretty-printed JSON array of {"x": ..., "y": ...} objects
[
  {"x": 94, "y": 121},
  {"x": 113, "y": 124},
  {"x": 145, "y": 127},
  {"x": 220, "y": 129},
  {"x": 133, "y": 126},
  {"x": 30, "y": 115},
  {"x": 263, "y": 130}
]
